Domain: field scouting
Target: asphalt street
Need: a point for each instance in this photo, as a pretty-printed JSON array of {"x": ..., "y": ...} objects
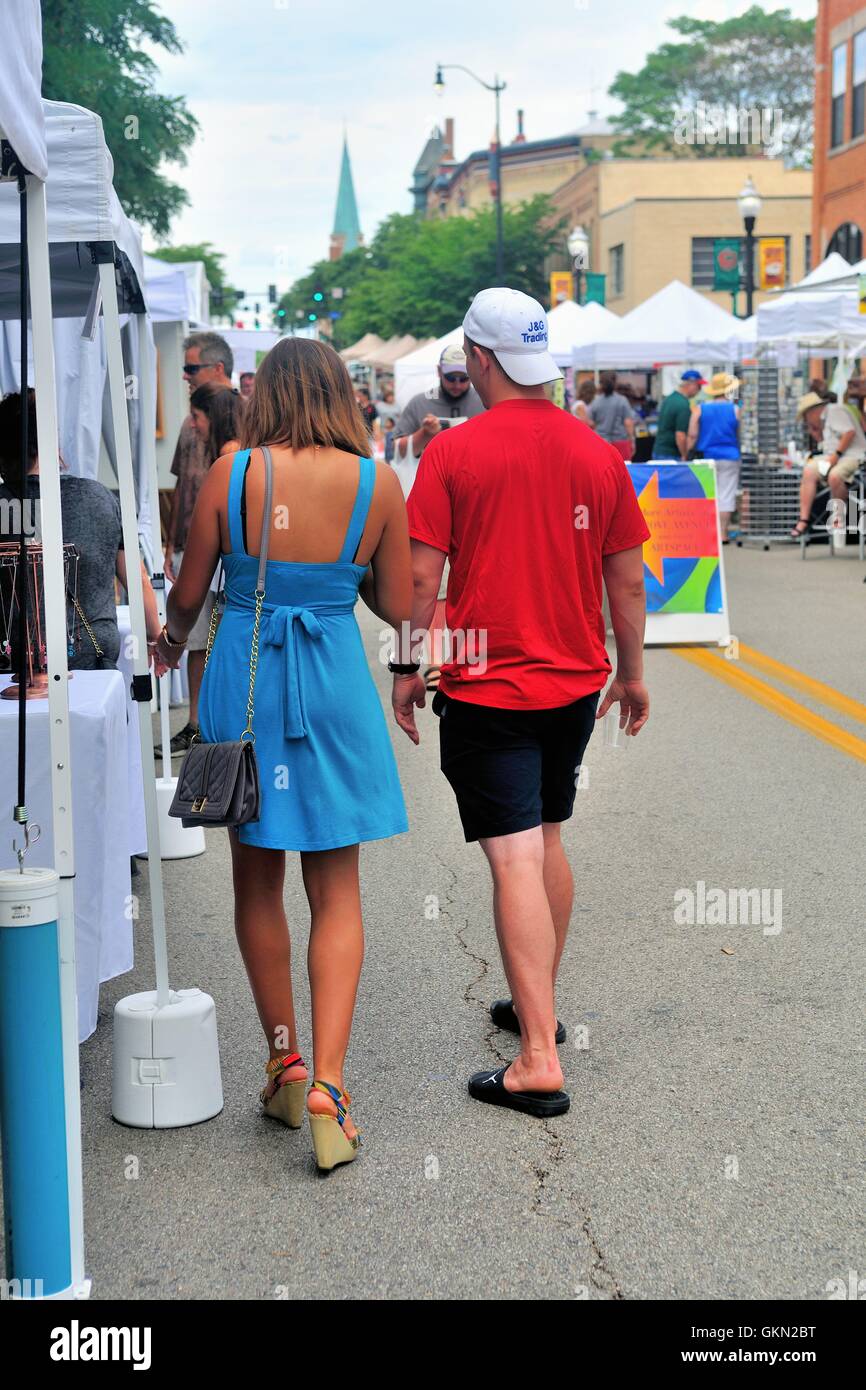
[{"x": 713, "y": 1148}]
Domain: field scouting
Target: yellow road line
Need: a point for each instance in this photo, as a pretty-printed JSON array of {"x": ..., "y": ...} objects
[
  {"x": 773, "y": 700},
  {"x": 824, "y": 694}
]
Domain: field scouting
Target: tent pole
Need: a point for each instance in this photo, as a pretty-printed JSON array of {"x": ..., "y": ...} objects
[
  {"x": 147, "y": 399},
  {"x": 58, "y": 702},
  {"x": 142, "y": 685}
]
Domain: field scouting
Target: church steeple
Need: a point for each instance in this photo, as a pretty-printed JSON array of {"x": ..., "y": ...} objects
[{"x": 346, "y": 235}]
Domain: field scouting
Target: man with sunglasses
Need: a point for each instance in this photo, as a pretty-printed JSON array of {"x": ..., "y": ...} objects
[
  {"x": 207, "y": 358},
  {"x": 453, "y": 398}
]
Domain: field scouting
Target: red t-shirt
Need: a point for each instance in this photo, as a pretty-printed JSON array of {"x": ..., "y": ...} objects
[{"x": 525, "y": 500}]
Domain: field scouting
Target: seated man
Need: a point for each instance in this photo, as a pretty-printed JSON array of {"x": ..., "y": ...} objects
[{"x": 842, "y": 451}]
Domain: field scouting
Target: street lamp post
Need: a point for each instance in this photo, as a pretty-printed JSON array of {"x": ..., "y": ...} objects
[
  {"x": 578, "y": 250},
  {"x": 496, "y": 87},
  {"x": 749, "y": 203}
]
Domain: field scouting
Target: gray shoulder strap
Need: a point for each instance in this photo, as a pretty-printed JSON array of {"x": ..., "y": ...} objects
[{"x": 266, "y": 518}]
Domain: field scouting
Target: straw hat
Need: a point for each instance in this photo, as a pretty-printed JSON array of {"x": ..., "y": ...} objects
[
  {"x": 723, "y": 384},
  {"x": 808, "y": 402}
]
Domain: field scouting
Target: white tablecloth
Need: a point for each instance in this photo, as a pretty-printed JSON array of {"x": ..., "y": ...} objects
[{"x": 103, "y": 924}]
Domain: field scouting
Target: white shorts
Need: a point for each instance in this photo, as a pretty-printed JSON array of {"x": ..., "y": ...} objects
[{"x": 727, "y": 482}]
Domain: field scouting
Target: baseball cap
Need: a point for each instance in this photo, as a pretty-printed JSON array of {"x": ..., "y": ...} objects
[
  {"x": 692, "y": 375},
  {"x": 452, "y": 360},
  {"x": 514, "y": 326}
]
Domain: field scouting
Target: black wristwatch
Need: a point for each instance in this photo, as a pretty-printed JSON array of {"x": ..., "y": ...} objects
[{"x": 403, "y": 668}]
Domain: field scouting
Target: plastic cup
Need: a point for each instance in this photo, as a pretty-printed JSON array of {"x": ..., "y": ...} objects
[{"x": 614, "y": 736}]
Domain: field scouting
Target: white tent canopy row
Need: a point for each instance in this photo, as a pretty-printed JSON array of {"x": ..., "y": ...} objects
[
  {"x": 820, "y": 313},
  {"x": 177, "y": 291},
  {"x": 674, "y": 325},
  {"x": 84, "y": 215}
]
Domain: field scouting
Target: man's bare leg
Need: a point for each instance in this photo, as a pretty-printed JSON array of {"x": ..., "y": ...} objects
[
  {"x": 528, "y": 943},
  {"x": 559, "y": 887}
]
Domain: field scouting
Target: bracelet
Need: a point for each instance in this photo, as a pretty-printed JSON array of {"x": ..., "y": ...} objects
[
  {"x": 404, "y": 668},
  {"x": 168, "y": 641}
]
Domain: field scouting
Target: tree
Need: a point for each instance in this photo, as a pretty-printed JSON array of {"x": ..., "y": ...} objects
[
  {"x": 418, "y": 275},
  {"x": 223, "y": 296},
  {"x": 92, "y": 57},
  {"x": 756, "y": 62}
]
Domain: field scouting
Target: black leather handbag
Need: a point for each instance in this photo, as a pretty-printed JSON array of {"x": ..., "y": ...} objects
[{"x": 219, "y": 782}]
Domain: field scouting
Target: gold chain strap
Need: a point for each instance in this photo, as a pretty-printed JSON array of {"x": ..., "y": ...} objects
[
  {"x": 254, "y": 662},
  {"x": 254, "y": 655},
  {"x": 83, "y": 616}
]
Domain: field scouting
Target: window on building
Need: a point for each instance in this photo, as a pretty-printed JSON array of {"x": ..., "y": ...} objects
[
  {"x": 616, "y": 267},
  {"x": 858, "y": 86},
  {"x": 807, "y": 254},
  {"x": 848, "y": 241},
  {"x": 837, "y": 95}
]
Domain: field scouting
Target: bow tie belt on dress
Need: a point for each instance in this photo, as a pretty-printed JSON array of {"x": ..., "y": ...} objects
[{"x": 288, "y": 628}]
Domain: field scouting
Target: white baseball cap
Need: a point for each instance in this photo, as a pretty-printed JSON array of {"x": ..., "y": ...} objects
[
  {"x": 514, "y": 326},
  {"x": 452, "y": 360}
]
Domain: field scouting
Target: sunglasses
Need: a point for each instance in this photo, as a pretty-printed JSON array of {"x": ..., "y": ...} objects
[
  {"x": 459, "y": 378},
  {"x": 190, "y": 368}
]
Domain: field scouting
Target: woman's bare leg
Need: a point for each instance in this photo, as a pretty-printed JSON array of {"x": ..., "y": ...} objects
[
  {"x": 335, "y": 956},
  {"x": 263, "y": 937}
]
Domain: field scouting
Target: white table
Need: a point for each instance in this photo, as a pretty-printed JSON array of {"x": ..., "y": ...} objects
[{"x": 100, "y": 809}]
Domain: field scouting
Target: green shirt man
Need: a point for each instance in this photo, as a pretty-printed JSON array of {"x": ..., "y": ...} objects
[{"x": 673, "y": 426}]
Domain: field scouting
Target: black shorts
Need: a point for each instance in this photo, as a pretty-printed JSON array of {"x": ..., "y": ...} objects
[{"x": 511, "y": 769}]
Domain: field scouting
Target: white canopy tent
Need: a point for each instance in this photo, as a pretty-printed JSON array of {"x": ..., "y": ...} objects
[
  {"x": 168, "y": 299},
  {"x": 248, "y": 345},
  {"x": 826, "y": 324},
  {"x": 819, "y": 314},
  {"x": 83, "y": 209},
  {"x": 674, "y": 325},
  {"x": 572, "y": 325},
  {"x": 357, "y": 351}
]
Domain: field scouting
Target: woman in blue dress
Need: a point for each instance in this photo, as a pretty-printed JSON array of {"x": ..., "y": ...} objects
[{"x": 328, "y": 776}]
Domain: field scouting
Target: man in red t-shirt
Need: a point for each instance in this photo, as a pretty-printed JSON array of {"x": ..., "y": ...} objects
[{"x": 534, "y": 511}]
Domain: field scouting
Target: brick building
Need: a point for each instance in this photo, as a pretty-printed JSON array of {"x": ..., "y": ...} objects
[{"x": 839, "y": 185}]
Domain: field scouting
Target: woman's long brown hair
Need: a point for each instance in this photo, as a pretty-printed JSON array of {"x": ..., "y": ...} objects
[
  {"x": 303, "y": 395},
  {"x": 224, "y": 410}
]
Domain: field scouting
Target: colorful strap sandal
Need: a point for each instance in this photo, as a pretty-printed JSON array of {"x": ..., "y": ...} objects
[
  {"x": 287, "y": 1102},
  {"x": 331, "y": 1144}
]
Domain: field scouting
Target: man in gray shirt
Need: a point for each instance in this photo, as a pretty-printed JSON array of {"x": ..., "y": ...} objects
[{"x": 452, "y": 398}]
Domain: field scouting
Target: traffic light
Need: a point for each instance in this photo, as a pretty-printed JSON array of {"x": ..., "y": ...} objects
[
  {"x": 272, "y": 294},
  {"x": 312, "y": 317},
  {"x": 318, "y": 296},
  {"x": 281, "y": 313}
]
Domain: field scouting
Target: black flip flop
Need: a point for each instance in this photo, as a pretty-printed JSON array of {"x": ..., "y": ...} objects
[
  {"x": 503, "y": 1015},
  {"x": 488, "y": 1086}
]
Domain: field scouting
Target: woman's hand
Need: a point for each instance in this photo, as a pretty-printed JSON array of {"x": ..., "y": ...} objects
[
  {"x": 155, "y": 660},
  {"x": 167, "y": 653}
]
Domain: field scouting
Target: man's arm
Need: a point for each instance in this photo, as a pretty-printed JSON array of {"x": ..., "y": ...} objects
[
  {"x": 687, "y": 442},
  {"x": 427, "y": 430},
  {"x": 409, "y": 691},
  {"x": 623, "y": 580}
]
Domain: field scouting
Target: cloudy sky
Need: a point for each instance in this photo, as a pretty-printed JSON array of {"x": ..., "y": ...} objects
[{"x": 273, "y": 84}]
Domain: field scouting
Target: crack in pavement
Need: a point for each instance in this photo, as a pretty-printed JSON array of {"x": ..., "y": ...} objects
[{"x": 600, "y": 1276}]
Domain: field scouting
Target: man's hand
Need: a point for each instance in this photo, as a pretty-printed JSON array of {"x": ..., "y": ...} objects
[
  {"x": 633, "y": 698},
  {"x": 169, "y": 564},
  {"x": 408, "y": 692},
  {"x": 430, "y": 426}
]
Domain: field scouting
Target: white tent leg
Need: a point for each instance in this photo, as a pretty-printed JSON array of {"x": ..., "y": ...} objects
[
  {"x": 58, "y": 702},
  {"x": 147, "y": 401},
  {"x": 120, "y": 424}
]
